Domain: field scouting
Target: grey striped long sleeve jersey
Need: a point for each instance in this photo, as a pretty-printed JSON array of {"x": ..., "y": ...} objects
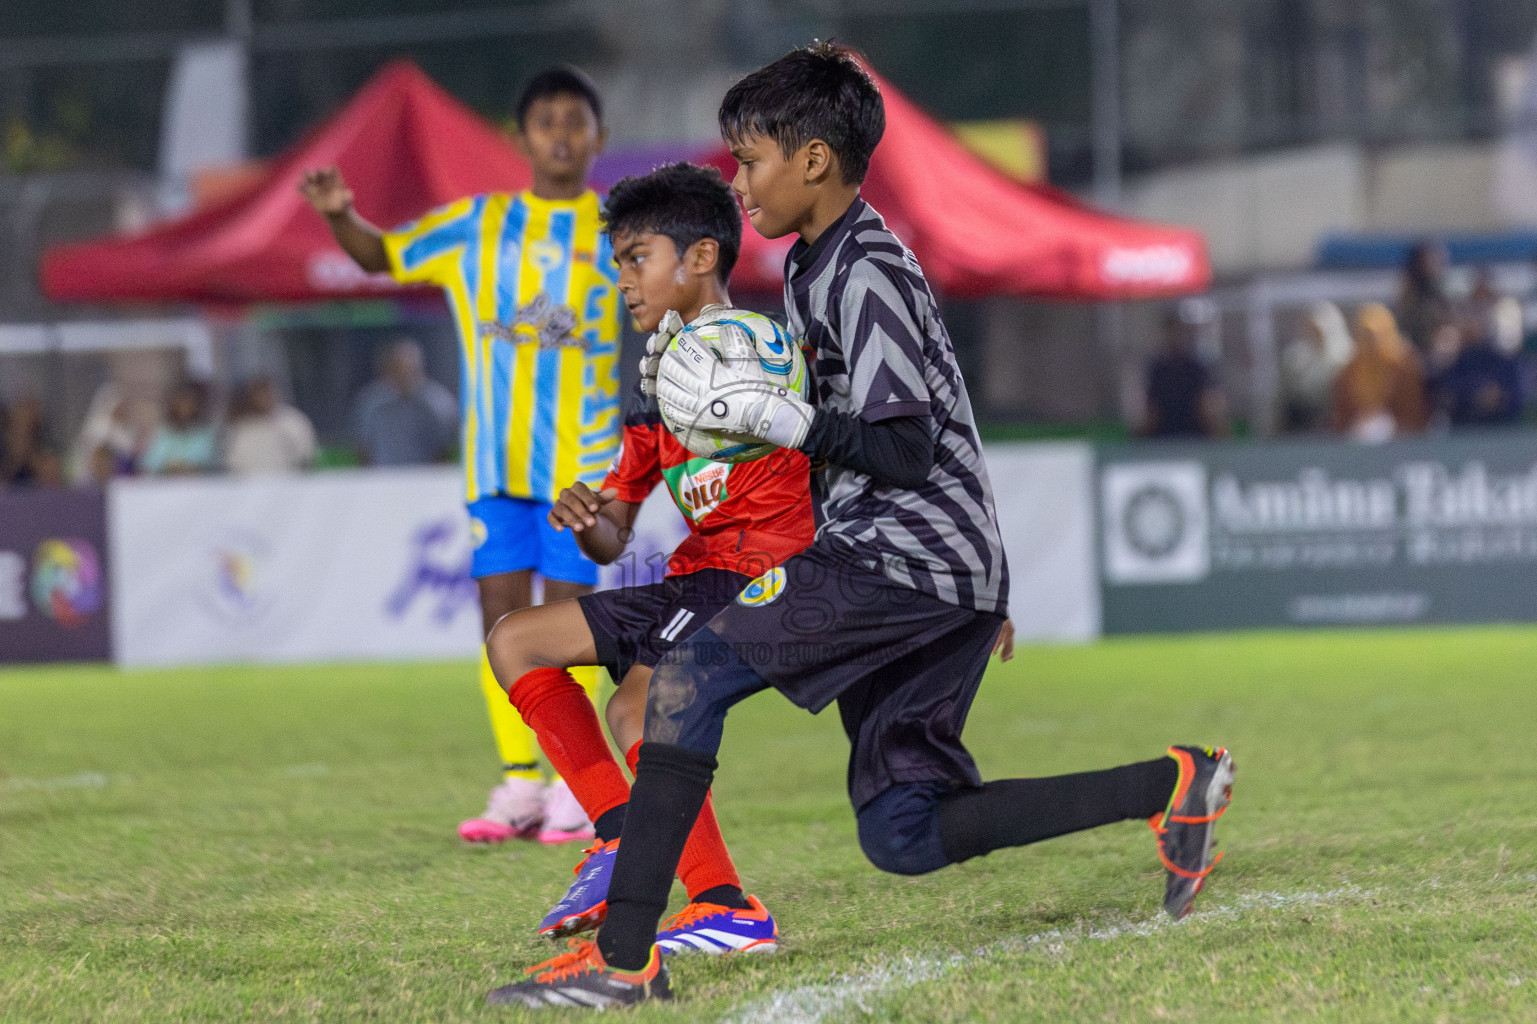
[{"x": 860, "y": 300}]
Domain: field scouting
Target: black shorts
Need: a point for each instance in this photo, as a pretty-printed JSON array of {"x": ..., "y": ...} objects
[
  {"x": 637, "y": 625},
  {"x": 903, "y": 666}
]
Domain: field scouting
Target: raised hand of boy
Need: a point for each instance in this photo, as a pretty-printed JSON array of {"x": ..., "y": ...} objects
[
  {"x": 695, "y": 387},
  {"x": 671, "y": 325},
  {"x": 326, "y": 191}
]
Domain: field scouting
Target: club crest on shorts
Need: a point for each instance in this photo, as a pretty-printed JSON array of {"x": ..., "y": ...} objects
[{"x": 764, "y": 589}]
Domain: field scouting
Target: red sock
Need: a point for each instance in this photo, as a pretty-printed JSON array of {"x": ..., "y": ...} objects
[
  {"x": 705, "y": 863},
  {"x": 559, "y": 711}
]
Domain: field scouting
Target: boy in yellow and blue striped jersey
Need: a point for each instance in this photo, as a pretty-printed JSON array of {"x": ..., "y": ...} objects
[{"x": 531, "y": 282}]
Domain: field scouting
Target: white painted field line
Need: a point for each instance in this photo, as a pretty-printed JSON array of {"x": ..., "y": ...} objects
[
  {"x": 85, "y": 780},
  {"x": 813, "y": 1004}
]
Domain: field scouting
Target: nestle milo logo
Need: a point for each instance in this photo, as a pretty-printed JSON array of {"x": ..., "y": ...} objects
[{"x": 698, "y": 486}]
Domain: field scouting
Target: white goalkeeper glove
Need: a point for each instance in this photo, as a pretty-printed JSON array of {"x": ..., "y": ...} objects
[
  {"x": 694, "y": 387},
  {"x": 668, "y": 329}
]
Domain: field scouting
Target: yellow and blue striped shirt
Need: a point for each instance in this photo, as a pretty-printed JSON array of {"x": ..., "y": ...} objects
[{"x": 532, "y": 286}]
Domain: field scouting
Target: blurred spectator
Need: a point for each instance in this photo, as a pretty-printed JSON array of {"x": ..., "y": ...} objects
[
  {"x": 1310, "y": 364},
  {"x": 1509, "y": 327},
  {"x": 1480, "y": 305},
  {"x": 1182, "y": 399},
  {"x": 1482, "y": 385},
  {"x": 1491, "y": 316},
  {"x": 26, "y": 457},
  {"x": 1380, "y": 393},
  {"x": 1423, "y": 307},
  {"x": 108, "y": 444},
  {"x": 184, "y": 443},
  {"x": 265, "y": 435},
  {"x": 1444, "y": 346},
  {"x": 404, "y": 417}
]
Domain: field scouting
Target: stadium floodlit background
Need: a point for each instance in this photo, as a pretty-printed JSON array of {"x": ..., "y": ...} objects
[{"x": 1274, "y": 486}]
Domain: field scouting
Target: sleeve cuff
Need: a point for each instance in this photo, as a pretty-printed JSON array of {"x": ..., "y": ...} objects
[
  {"x": 633, "y": 495},
  {"x": 392, "y": 248}
]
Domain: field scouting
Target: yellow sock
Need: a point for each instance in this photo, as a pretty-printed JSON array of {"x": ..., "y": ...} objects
[
  {"x": 589, "y": 676},
  {"x": 514, "y": 740}
]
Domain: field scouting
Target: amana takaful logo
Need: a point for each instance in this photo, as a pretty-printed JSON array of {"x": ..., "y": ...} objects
[
  {"x": 765, "y": 589},
  {"x": 66, "y": 580},
  {"x": 1155, "y": 522}
]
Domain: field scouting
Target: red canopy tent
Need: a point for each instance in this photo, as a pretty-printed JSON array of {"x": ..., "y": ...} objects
[
  {"x": 406, "y": 146},
  {"x": 978, "y": 232}
]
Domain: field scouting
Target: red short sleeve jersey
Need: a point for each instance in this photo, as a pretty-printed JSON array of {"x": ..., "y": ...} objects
[{"x": 747, "y": 517}]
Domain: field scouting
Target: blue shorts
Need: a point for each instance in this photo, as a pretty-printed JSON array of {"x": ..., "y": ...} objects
[{"x": 514, "y": 534}]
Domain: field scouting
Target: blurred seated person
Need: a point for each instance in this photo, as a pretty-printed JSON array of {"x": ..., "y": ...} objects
[
  {"x": 1482, "y": 385},
  {"x": 1494, "y": 315},
  {"x": 1182, "y": 398},
  {"x": 1422, "y": 304},
  {"x": 183, "y": 443},
  {"x": 109, "y": 441},
  {"x": 266, "y": 435},
  {"x": 27, "y": 459},
  {"x": 1380, "y": 394},
  {"x": 1310, "y": 364},
  {"x": 404, "y": 418}
]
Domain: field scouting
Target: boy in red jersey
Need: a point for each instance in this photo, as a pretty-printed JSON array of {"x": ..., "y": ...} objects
[{"x": 676, "y": 233}]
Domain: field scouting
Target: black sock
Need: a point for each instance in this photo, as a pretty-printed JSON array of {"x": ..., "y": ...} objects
[
  {"x": 610, "y": 823},
  {"x": 728, "y": 896},
  {"x": 1013, "y": 812},
  {"x": 670, "y": 786}
]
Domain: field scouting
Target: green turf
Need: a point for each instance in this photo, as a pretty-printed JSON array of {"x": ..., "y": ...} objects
[{"x": 277, "y": 844}]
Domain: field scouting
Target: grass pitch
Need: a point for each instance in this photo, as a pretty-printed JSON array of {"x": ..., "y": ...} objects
[{"x": 277, "y": 844}]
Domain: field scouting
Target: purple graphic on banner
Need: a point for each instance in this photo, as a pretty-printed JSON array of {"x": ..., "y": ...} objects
[
  {"x": 438, "y": 569},
  {"x": 53, "y": 582}
]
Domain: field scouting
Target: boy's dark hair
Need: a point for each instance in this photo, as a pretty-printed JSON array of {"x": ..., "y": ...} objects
[
  {"x": 815, "y": 92},
  {"x": 562, "y": 79},
  {"x": 683, "y": 202}
]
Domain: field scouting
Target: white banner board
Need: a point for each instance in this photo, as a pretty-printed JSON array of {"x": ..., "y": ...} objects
[
  {"x": 374, "y": 564},
  {"x": 1045, "y": 500},
  {"x": 352, "y": 565}
]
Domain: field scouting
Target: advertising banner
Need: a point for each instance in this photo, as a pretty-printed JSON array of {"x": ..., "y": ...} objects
[
  {"x": 1325, "y": 533},
  {"x": 1044, "y": 494},
  {"x": 354, "y": 565},
  {"x": 53, "y": 576}
]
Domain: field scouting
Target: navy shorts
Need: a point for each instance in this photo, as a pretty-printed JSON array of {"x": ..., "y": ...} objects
[
  {"x": 902, "y": 666},
  {"x": 514, "y": 534},
  {"x": 638, "y": 625}
]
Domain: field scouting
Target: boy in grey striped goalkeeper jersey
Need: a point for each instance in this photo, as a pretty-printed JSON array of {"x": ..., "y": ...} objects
[{"x": 895, "y": 608}]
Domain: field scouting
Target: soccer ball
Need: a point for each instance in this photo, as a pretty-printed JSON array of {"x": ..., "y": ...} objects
[{"x": 751, "y": 343}]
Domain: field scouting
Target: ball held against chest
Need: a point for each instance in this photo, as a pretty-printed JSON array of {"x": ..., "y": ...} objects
[{"x": 751, "y": 344}]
